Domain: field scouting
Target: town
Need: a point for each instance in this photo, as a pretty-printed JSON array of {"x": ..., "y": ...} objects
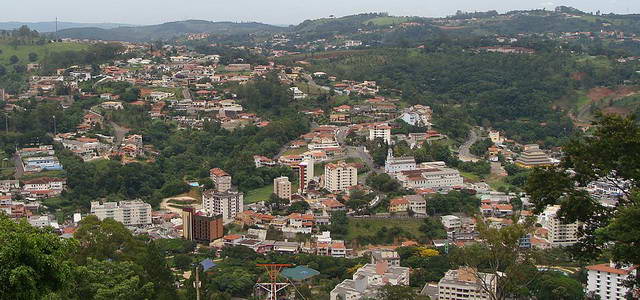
[{"x": 267, "y": 154}]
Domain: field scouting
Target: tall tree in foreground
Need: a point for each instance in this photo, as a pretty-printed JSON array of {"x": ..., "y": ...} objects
[
  {"x": 502, "y": 268},
  {"x": 611, "y": 154},
  {"x": 34, "y": 263}
]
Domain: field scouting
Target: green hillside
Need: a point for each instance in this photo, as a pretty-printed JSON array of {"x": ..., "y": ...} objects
[{"x": 22, "y": 51}]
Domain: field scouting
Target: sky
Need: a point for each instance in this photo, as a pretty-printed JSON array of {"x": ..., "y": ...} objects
[{"x": 279, "y": 12}]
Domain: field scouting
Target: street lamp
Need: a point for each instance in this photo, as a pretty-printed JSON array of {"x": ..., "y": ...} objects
[{"x": 55, "y": 130}]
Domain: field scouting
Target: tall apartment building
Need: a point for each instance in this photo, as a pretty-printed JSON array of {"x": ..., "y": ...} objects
[
  {"x": 607, "y": 280},
  {"x": 225, "y": 204},
  {"x": 559, "y": 234},
  {"x": 129, "y": 213},
  {"x": 380, "y": 131},
  {"x": 221, "y": 179},
  {"x": 201, "y": 228},
  {"x": 305, "y": 171},
  {"x": 464, "y": 284},
  {"x": 339, "y": 177},
  {"x": 282, "y": 187}
]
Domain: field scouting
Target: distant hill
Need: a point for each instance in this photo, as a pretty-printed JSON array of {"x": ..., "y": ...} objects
[
  {"x": 166, "y": 30},
  {"x": 51, "y": 26}
]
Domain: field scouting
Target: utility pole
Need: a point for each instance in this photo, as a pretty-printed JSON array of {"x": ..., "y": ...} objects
[
  {"x": 6, "y": 123},
  {"x": 197, "y": 283},
  {"x": 55, "y": 129}
]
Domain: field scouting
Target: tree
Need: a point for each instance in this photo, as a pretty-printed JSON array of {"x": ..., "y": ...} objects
[
  {"x": 555, "y": 285},
  {"x": 393, "y": 292},
  {"x": 34, "y": 262},
  {"x": 13, "y": 60},
  {"x": 511, "y": 270},
  {"x": 3, "y": 71},
  {"x": 339, "y": 223},
  {"x": 612, "y": 155},
  {"x": 106, "y": 280},
  {"x": 107, "y": 239},
  {"x": 298, "y": 207},
  {"x": 432, "y": 229},
  {"x": 182, "y": 261},
  {"x": 33, "y": 57}
]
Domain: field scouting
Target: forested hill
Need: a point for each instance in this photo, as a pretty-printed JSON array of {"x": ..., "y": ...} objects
[
  {"x": 167, "y": 30},
  {"x": 489, "y": 23}
]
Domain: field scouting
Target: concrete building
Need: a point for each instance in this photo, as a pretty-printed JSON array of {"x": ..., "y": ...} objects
[
  {"x": 466, "y": 283},
  {"x": 451, "y": 222},
  {"x": 390, "y": 257},
  {"x": 225, "y": 204},
  {"x": 339, "y": 177},
  {"x": 201, "y": 228},
  {"x": 306, "y": 173},
  {"x": 282, "y": 187},
  {"x": 398, "y": 164},
  {"x": 417, "y": 204},
  {"x": 368, "y": 279},
  {"x": 559, "y": 234},
  {"x": 532, "y": 157},
  {"x": 380, "y": 131},
  {"x": 129, "y": 213},
  {"x": 221, "y": 179},
  {"x": 607, "y": 280},
  {"x": 430, "y": 176}
]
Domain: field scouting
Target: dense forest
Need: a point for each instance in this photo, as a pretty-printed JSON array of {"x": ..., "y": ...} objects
[{"x": 512, "y": 93}]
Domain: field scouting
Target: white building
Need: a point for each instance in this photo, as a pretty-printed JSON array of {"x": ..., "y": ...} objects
[
  {"x": 129, "y": 213},
  {"x": 429, "y": 176},
  {"x": 559, "y": 234},
  {"x": 607, "y": 280},
  {"x": 380, "y": 131},
  {"x": 368, "y": 279},
  {"x": 466, "y": 283},
  {"x": 282, "y": 187},
  {"x": 297, "y": 93},
  {"x": 398, "y": 164},
  {"x": 340, "y": 177},
  {"x": 495, "y": 137},
  {"x": 226, "y": 204},
  {"x": 451, "y": 222}
]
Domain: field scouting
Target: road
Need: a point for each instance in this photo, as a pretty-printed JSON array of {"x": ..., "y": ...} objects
[
  {"x": 19, "y": 167},
  {"x": 464, "y": 153},
  {"x": 165, "y": 204},
  {"x": 119, "y": 132}
]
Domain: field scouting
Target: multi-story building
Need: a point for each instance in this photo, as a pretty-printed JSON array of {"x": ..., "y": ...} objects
[
  {"x": 129, "y": 213},
  {"x": 305, "y": 171},
  {"x": 451, "y": 222},
  {"x": 608, "y": 280},
  {"x": 399, "y": 204},
  {"x": 385, "y": 255},
  {"x": 368, "y": 280},
  {"x": 559, "y": 233},
  {"x": 226, "y": 204},
  {"x": 398, "y": 164},
  {"x": 417, "y": 204},
  {"x": 466, "y": 283},
  {"x": 380, "y": 131},
  {"x": 282, "y": 187},
  {"x": 339, "y": 177},
  {"x": 429, "y": 177},
  {"x": 532, "y": 156},
  {"x": 221, "y": 179},
  {"x": 199, "y": 227}
]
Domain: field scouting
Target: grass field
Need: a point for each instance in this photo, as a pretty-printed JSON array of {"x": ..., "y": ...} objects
[
  {"x": 22, "y": 52},
  {"x": 258, "y": 195},
  {"x": 470, "y": 176},
  {"x": 296, "y": 151},
  {"x": 53, "y": 174},
  {"x": 386, "y": 21},
  {"x": 362, "y": 227}
]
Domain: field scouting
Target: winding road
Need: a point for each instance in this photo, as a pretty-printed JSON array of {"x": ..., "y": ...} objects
[{"x": 464, "y": 153}]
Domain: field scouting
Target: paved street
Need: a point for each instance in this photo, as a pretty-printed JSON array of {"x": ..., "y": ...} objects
[{"x": 464, "y": 154}]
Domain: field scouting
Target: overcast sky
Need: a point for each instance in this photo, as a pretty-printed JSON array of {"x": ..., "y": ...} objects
[{"x": 270, "y": 11}]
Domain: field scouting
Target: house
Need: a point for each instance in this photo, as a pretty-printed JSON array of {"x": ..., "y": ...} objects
[
  {"x": 368, "y": 279},
  {"x": 466, "y": 283},
  {"x": 399, "y": 204}
]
